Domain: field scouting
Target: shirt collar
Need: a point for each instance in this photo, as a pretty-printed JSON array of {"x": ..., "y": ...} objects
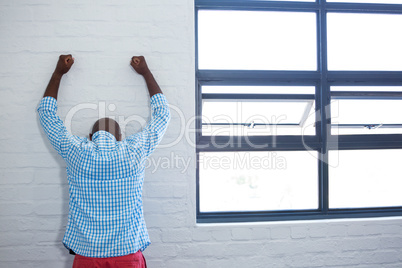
[{"x": 104, "y": 140}]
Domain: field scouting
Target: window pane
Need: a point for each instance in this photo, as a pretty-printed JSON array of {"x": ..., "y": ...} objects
[
  {"x": 366, "y": 88},
  {"x": 259, "y": 89},
  {"x": 259, "y": 117},
  {"x": 249, "y": 181},
  {"x": 264, "y": 111},
  {"x": 368, "y": 1},
  {"x": 365, "y": 178},
  {"x": 256, "y": 40},
  {"x": 366, "y": 116},
  {"x": 368, "y": 42}
]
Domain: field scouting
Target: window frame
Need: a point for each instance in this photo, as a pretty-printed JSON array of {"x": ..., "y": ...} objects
[
  {"x": 367, "y": 95},
  {"x": 322, "y": 79},
  {"x": 296, "y": 98}
]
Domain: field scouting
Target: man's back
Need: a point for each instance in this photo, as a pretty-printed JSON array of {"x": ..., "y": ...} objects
[
  {"x": 105, "y": 183},
  {"x": 105, "y": 178}
]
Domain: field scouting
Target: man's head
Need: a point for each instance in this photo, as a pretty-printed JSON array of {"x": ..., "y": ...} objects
[{"x": 109, "y": 125}]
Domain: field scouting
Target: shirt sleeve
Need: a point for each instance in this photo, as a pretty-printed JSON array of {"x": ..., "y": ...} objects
[
  {"x": 152, "y": 134},
  {"x": 53, "y": 126}
]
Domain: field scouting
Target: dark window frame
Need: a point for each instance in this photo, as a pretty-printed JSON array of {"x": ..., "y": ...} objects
[{"x": 322, "y": 80}]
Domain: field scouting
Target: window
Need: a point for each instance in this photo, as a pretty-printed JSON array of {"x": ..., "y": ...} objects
[
  {"x": 257, "y": 111},
  {"x": 258, "y": 181},
  {"x": 364, "y": 42},
  {"x": 243, "y": 40},
  {"x": 298, "y": 109},
  {"x": 365, "y": 178}
]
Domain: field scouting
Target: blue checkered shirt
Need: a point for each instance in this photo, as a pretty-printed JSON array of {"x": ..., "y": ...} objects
[{"x": 105, "y": 179}]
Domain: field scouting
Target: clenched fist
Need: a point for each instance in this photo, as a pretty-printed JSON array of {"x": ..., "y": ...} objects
[
  {"x": 140, "y": 65},
  {"x": 64, "y": 64}
]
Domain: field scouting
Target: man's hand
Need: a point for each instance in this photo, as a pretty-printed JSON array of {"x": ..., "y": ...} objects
[
  {"x": 64, "y": 64},
  {"x": 140, "y": 65}
]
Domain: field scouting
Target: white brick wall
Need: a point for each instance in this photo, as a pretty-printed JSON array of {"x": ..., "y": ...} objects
[{"x": 103, "y": 35}]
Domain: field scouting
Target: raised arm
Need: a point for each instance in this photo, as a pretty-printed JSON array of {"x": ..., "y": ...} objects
[
  {"x": 53, "y": 126},
  {"x": 140, "y": 66},
  {"x": 153, "y": 132},
  {"x": 63, "y": 66}
]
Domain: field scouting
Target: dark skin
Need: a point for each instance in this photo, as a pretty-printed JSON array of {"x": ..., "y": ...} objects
[
  {"x": 109, "y": 125},
  {"x": 63, "y": 66},
  {"x": 140, "y": 66},
  {"x": 137, "y": 62}
]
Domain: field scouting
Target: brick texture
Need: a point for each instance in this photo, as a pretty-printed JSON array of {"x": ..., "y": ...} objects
[{"x": 102, "y": 36}]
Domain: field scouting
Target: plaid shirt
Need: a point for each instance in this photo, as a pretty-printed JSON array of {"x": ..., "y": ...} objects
[{"x": 105, "y": 179}]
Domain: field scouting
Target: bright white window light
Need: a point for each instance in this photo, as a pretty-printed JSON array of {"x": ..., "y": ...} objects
[
  {"x": 257, "y": 40},
  {"x": 368, "y": 1},
  {"x": 255, "y": 181},
  {"x": 366, "y": 116},
  {"x": 365, "y": 178},
  {"x": 365, "y": 42}
]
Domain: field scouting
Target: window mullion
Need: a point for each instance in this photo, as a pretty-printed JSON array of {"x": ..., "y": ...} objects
[{"x": 323, "y": 102}]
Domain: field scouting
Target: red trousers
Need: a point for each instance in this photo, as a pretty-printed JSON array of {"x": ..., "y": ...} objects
[{"x": 135, "y": 260}]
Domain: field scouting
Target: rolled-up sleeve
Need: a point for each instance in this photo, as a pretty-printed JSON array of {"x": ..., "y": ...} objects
[
  {"x": 53, "y": 126},
  {"x": 149, "y": 138}
]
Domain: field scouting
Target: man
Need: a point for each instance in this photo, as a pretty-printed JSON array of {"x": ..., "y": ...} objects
[{"x": 106, "y": 225}]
